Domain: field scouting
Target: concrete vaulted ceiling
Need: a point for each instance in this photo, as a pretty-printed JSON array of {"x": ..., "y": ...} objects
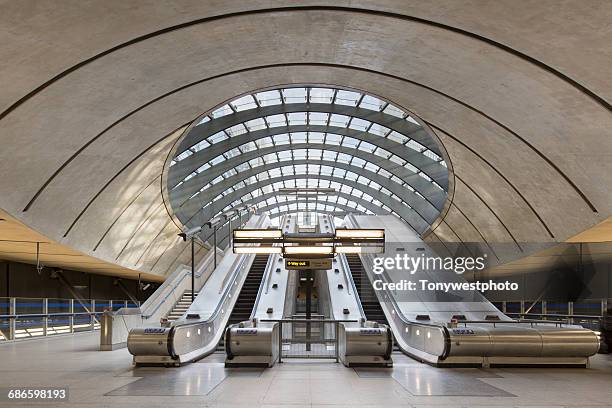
[{"x": 95, "y": 95}]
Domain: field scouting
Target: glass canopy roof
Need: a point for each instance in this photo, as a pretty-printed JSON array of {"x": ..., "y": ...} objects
[{"x": 376, "y": 157}]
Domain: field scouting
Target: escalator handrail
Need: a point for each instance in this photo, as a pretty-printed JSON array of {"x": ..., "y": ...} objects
[
  {"x": 348, "y": 274},
  {"x": 267, "y": 276}
]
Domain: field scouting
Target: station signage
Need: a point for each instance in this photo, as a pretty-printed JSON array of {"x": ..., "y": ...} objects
[{"x": 302, "y": 264}]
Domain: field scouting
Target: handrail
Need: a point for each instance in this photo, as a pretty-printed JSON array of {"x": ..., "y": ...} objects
[
  {"x": 531, "y": 322},
  {"x": 18, "y": 316},
  {"x": 224, "y": 281},
  {"x": 572, "y": 316},
  {"x": 267, "y": 277},
  {"x": 270, "y": 265},
  {"x": 268, "y": 274},
  {"x": 308, "y": 321},
  {"x": 60, "y": 298},
  {"x": 350, "y": 282}
]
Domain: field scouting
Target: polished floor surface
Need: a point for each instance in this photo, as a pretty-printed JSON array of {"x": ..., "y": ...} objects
[{"x": 107, "y": 379}]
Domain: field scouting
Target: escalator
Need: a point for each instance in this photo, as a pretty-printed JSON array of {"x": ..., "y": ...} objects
[
  {"x": 246, "y": 300},
  {"x": 369, "y": 300},
  {"x": 247, "y": 297}
]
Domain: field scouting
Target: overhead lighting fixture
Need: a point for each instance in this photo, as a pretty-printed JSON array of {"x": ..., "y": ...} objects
[
  {"x": 316, "y": 245},
  {"x": 258, "y": 233},
  {"x": 257, "y": 250},
  {"x": 308, "y": 250},
  {"x": 349, "y": 250},
  {"x": 359, "y": 249},
  {"x": 360, "y": 233}
]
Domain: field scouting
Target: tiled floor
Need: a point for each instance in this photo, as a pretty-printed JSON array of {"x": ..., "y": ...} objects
[{"x": 107, "y": 379}]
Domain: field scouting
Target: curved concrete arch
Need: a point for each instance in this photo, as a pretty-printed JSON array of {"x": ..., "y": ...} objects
[
  {"x": 181, "y": 27},
  {"x": 427, "y": 165},
  {"x": 496, "y": 170},
  {"x": 601, "y": 101}
]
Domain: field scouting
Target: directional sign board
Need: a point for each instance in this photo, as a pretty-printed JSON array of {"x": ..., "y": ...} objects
[{"x": 302, "y": 264}]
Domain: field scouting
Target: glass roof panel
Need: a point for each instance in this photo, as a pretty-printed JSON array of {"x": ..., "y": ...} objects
[
  {"x": 372, "y": 103},
  {"x": 222, "y": 111},
  {"x": 320, "y": 162},
  {"x": 348, "y": 98},
  {"x": 294, "y": 95},
  {"x": 394, "y": 111},
  {"x": 321, "y": 95},
  {"x": 244, "y": 103},
  {"x": 268, "y": 98}
]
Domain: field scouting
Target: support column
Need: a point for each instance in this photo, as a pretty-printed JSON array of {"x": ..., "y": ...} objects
[
  {"x": 308, "y": 309},
  {"x": 193, "y": 268},
  {"x": 92, "y": 317},
  {"x": 71, "y": 318},
  {"x": 45, "y": 310},
  {"x": 229, "y": 232},
  {"x": 12, "y": 321},
  {"x": 215, "y": 245}
]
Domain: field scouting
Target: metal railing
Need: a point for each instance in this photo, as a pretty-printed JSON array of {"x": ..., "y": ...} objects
[
  {"x": 568, "y": 312},
  {"x": 308, "y": 338},
  {"x": 26, "y": 318}
]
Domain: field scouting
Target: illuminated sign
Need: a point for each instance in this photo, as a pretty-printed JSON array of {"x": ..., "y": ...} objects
[{"x": 301, "y": 264}]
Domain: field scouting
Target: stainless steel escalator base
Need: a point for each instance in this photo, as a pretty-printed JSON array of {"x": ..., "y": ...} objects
[
  {"x": 575, "y": 362},
  {"x": 367, "y": 361},
  {"x": 251, "y": 361},
  {"x": 155, "y": 361},
  {"x": 486, "y": 362}
]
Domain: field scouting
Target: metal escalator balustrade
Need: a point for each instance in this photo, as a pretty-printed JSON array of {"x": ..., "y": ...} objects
[
  {"x": 478, "y": 342},
  {"x": 367, "y": 295},
  {"x": 197, "y": 333}
]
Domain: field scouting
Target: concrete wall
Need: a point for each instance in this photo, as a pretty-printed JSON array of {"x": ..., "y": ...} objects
[
  {"x": 22, "y": 280},
  {"x": 568, "y": 283}
]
